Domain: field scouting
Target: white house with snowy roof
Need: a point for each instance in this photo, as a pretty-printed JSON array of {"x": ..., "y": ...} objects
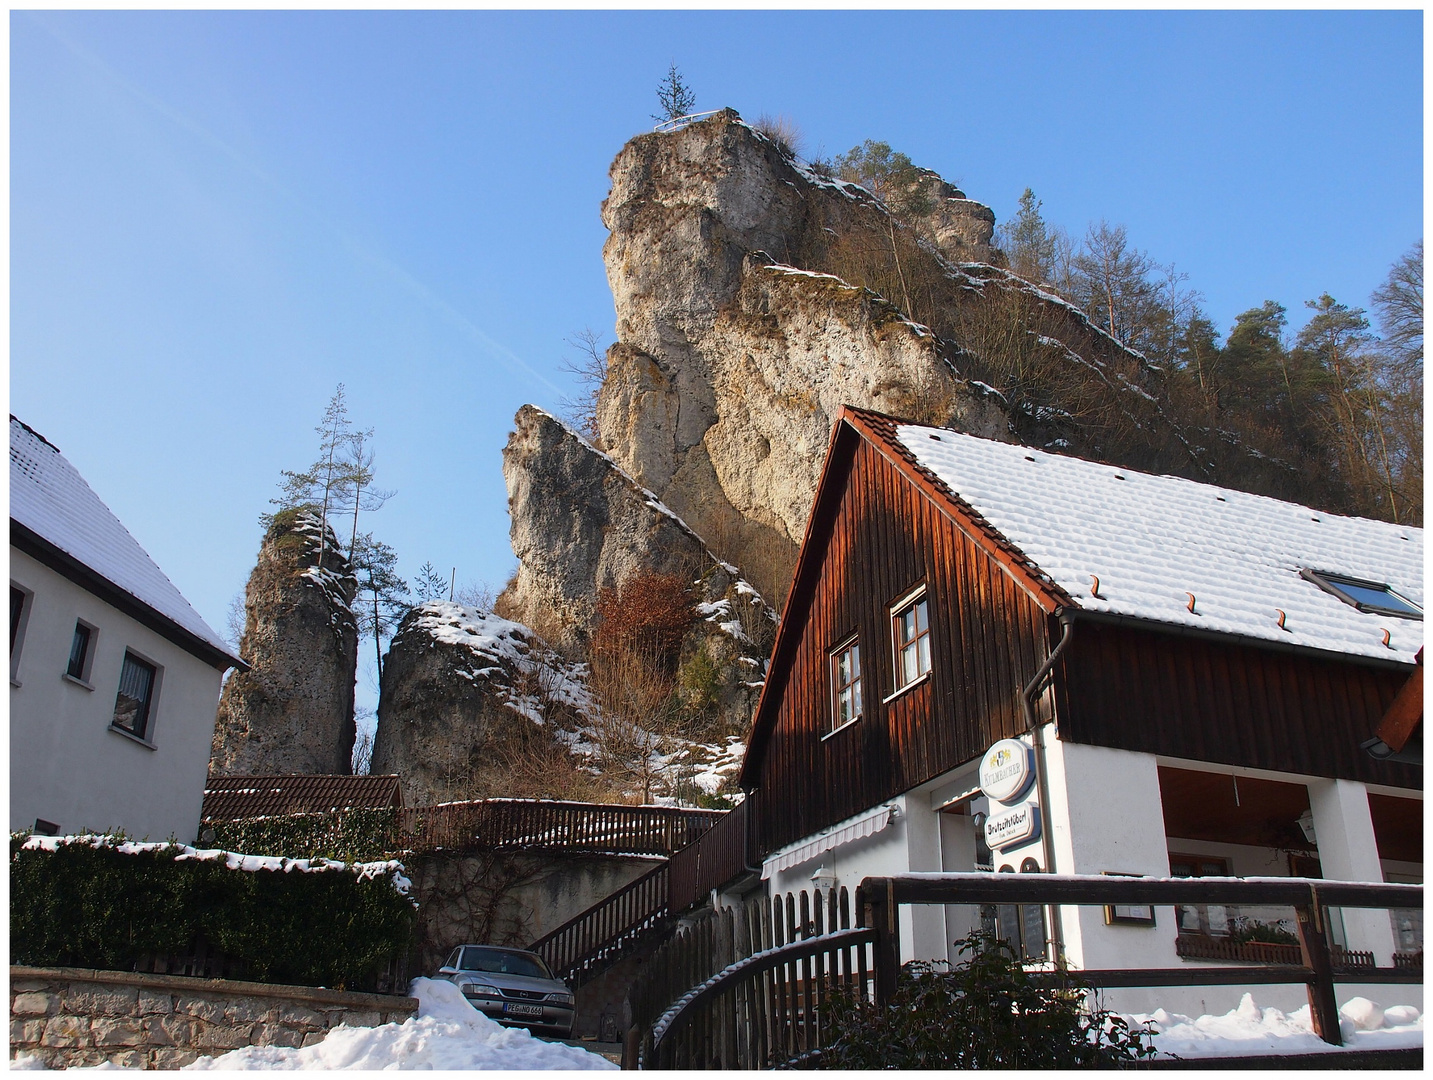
[
  {"x": 114, "y": 677},
  {"x": 996, "y": 658}
]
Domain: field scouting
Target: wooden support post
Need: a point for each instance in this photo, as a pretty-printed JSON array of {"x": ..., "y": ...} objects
[
  {"x": 631, "y": 1045},
  {"x": 1313, "y": 941},
  {"x": 884, "y": 919}
]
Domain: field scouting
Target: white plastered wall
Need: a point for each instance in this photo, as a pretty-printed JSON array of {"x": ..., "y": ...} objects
[
  {"x": 1348, "y": 851},
  {"x": 1107, "y": 817},
  {"x": 910, "y": 842},
  {"x": 66, "y": 766}
]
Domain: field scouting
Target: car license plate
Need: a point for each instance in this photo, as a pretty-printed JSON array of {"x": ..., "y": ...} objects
[{"x": 521, "y": 1010}]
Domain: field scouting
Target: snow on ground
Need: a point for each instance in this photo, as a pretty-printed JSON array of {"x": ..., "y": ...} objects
[
  {"x": 493, "y": 639},
  {"x": 447, "y": 1033},
  {"x": 723, "y": 762},
  {"x": 1250, "y": 1030}
]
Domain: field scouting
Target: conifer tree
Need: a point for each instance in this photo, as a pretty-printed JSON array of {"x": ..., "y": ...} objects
[
  {"x": 430, "y": 585},
  {"x": 382, "y": 595},
  {"x": 674, "y": 97}
]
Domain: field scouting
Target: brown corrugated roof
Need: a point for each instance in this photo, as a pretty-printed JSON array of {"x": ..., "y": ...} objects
[{"x": 228, "y": 798}]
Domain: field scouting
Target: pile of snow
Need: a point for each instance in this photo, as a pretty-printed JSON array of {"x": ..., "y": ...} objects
[
  {"x": 1250, "y": 1030},
  {"x": 389, "y": 868},
  {"x": 447, "y": 1033}
]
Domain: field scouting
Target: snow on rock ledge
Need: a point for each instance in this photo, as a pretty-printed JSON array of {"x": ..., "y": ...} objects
[{"x": 461, "y": 687}]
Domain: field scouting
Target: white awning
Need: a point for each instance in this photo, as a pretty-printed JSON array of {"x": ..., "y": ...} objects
[{"x": 867, "y": 824}]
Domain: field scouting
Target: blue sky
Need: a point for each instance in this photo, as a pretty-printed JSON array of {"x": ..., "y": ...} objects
[{"x": 216, "y": 217}]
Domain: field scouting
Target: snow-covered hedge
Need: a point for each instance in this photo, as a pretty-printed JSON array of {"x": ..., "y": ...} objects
[
  {"x": 106, "y": 902},
  {"x": 355, "y": 835}
]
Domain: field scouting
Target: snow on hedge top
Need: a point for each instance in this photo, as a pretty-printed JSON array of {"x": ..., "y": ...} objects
[
  {"x": 1156, "y": 541},
  {"x": 50, "y": 498},
  {"x": 233, "y": 860}
]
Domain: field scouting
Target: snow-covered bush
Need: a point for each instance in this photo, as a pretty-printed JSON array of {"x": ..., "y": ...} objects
[{"x": 105, "y": 902}]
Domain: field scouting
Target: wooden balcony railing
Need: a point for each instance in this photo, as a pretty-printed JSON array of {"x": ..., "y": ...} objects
[
  {"x": 1206, "y": 947},
  {"x": 715, "y": 858},
  {"x": 542, "y": 823}
]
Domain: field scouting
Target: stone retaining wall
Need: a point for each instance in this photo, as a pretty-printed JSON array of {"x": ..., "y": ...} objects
[{"x": 79, "y": 1016}]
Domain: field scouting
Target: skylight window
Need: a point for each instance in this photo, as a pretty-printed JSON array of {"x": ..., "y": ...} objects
[{"x": 1372, "y": 596}]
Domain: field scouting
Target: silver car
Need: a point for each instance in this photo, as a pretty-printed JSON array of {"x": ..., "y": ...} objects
[{"x": 511, "y": 986}]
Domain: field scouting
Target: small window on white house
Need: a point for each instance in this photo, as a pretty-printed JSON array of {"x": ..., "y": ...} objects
[
  {"x": 911, "y": 631},
  {"x": 81, "y": 652},
  {"x": 846, "y": 684},
  {"x": 17, "y": 612},
  {"x": 1372, "y": 596},
  {"x": 134, "y": 704},
  {"x": 21, "y": 601}
]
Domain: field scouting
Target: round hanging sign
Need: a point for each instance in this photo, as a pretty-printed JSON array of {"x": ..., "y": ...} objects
[{"x": 1005, "y": 771}]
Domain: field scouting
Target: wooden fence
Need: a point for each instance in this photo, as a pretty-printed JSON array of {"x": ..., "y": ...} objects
[
  {"x": 882, "y": 897},
  {"x": 1202, "y": 947},
  {"x": 746, "y": 987},
  {"x": 716, "y": 857},
  {"x": 542, "y": 823},
  {"x": 584, "y": 946}
]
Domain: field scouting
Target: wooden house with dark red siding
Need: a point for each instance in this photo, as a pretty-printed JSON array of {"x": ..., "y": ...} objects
[{"x": 1159, "y": 677}]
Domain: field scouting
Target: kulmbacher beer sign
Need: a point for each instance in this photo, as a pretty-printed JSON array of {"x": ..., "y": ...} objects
[{"x": 1005, "y": 771}]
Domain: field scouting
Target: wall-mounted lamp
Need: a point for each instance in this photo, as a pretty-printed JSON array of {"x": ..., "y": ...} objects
[{"x": 1305, "y": 822}]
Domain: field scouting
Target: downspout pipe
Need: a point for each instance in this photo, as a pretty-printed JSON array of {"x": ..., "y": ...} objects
[{"x": 1042, "y": 780}]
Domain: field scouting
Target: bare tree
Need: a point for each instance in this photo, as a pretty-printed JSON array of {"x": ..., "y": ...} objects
[{"x": 587, "y": 363}]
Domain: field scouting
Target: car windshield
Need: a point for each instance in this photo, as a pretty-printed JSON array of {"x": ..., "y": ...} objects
[{"x": 500, "y": 961}]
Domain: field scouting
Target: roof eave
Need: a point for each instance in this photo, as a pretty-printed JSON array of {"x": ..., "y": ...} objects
[
  {"x": 63, "y": 563},
  {"x": 1114, "y": 618}
]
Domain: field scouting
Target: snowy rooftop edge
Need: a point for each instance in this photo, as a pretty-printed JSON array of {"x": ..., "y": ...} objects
[
  {"x": 1155, "y": 542},
  {"x": 49, "y": 497}
]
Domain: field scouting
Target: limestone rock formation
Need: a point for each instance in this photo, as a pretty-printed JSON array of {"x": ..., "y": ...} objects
[
  {"x": 732, "y": 361},
  {"x": 292, "y": 711},
  {"x": 961, "y": 228},
  {"x": 755, "y": 297},
  {"x": 580, "y": 524},
  {"x": 473, "y": 706}
]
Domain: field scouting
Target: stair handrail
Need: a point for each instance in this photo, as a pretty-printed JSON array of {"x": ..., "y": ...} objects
[{"x": 611, "y": 926}]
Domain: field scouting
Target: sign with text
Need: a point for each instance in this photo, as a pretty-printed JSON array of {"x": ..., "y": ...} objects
[
  {"x": 1006, "y": 829},
  {"x": 1006, "y": 771}
]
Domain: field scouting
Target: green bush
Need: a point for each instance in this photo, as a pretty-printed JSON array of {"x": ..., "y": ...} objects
[
  {"x": 90, "y": 904},
  {"x": 359, "y": 835},
  {"x": 988, "y": 1013}
]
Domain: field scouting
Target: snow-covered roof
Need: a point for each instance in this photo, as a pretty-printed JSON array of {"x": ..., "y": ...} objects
[
  {"x": 1159, "y": 543},
  {"x": 49, "y": 497}
]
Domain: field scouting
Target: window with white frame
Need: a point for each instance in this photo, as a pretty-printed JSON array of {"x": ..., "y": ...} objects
[
  {"x": 134, "y": 704},
  {"x": 846, "y": 683},
  {"x": 910, "y": 623}
]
